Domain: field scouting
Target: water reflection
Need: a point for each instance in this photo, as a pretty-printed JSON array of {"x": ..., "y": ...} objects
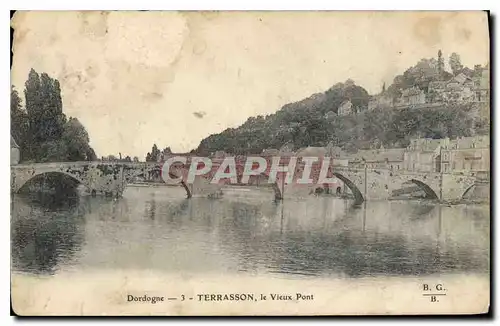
[
  {"x": 249, "y": 233},
  {"x": 45, "y": 231}
]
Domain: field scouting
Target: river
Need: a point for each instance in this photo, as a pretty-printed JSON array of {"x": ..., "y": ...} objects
[{"x": 154, "y": 233}]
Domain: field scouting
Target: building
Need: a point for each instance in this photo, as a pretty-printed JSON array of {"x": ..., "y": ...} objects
[
  {"x": 312, "y": 152},
  {"x": 330, "y": 115},
  {"x": 466, "y": 154},
  {"x": 380, "y": 101},
  {"x": 287, "y": 150},
  {"x": 435, "y": 91},
  {"x": 165, "y": 155},
  {"x": 482, "y": 85},
  {"x": 412, "y": 96},
  {"x": 337, "y": 158},
  {"x": 15, "y": 154},
  {"x": 268, "y": 152},
  {"x": 335, "y": 151},
  {"x": 391, "y": 158},
  {"x": 220, "y": 154},
  {"x": 345, "y": 108},
  {"x": 459, "y": 89},
  {"x": 422, "y": 155}
]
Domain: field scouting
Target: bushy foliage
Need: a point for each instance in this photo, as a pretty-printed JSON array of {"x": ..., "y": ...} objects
[
  {"x": 42, "y": 130},
  {"x": 314, "y": 122},
  {"x": 368, "y": 129}
]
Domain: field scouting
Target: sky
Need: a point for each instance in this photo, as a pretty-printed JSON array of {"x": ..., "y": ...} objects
[{"x": 174, "y": 78}]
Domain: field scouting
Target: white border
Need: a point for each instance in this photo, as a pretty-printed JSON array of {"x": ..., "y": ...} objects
[{"x": 188, "y": 5}]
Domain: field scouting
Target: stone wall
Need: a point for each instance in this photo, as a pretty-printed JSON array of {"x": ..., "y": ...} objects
[{"x": 371, "y": 184}]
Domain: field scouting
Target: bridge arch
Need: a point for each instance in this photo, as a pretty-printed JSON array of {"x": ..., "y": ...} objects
[
  {"x": 429, "y": 192},
  {"x": 468, "y": 190},
  {"x": 19, "y": 186},
  {"x": 358, "y": 196}
]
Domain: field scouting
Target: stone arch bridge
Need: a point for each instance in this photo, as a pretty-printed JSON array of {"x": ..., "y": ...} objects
[{"x": 111, "y": 178}]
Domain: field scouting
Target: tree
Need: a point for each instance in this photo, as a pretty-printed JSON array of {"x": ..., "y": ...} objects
[
  {"x": 18, "y": 123},
  {"x": 76, "y": 139},
  {"x": 44, "y": 108},
  {"x": 135, "y": 159},
  {"x": 42, "y": 131},
  {"x": 455, "y": 63},
  {"x": 53, "y": 151},
  {"x": 154, "y": 155},
  {"x": 478, "y": 70},
  {"x": 440, "y": 64},
  {"x": 91, "y": 155}
]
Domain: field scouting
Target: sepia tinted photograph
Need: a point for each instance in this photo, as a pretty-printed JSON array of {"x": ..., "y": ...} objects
[{"x": 250, "y": 163}]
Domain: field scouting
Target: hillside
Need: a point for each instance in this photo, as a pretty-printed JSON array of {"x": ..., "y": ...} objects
[
  {"x": 302, "y": 123},
  {"x": 370, "y": 129},
  {"x": 314, "y": 120}
]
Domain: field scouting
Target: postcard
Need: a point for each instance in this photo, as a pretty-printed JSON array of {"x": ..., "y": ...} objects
[{"x": 250, "y": 163}]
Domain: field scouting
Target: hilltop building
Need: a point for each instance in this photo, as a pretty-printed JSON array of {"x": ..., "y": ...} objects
[
  {"x": 482, "y": 85},
  {"x": 380, "y": 101},
  {"x": 412, "y": 96}
]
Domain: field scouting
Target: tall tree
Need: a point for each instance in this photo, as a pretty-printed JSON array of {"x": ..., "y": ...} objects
[
  {"x": 76, "y": 139},
  {"x": 440, "y": 64},
  {"x": 50, "y": 136},
  {"x": 44, "y": 108},
  {"x": 154, "y": 155},
  {"x": 455, "y": 63},
  {"x": 18, "y": 122}
]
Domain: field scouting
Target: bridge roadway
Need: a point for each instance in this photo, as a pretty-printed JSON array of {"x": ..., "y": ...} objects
[{"x": 110, "y": 178}]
